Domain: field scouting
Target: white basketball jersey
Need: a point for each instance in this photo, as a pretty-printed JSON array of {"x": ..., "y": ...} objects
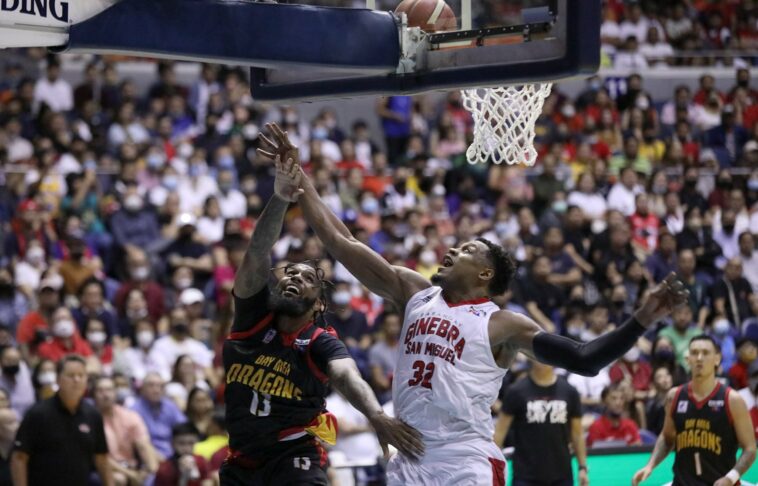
[{"x": 446, "y": 378}]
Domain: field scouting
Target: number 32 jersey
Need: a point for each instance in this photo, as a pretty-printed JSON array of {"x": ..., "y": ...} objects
[{"x": 446, "y": 378}]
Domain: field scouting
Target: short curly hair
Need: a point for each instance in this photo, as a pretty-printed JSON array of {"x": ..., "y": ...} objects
[{"x": 505, "y": 267}]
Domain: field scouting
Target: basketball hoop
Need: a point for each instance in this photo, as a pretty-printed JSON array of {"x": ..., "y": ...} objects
[{"x": 504, "y": 121}]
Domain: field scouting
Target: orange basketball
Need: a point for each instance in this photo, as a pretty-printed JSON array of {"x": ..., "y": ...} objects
[{"x": 429, "y": 15}]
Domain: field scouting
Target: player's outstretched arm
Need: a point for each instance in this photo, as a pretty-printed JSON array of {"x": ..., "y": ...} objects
[
  {"x": 252, "y": 275},
  {"x": 396, "y": 284},
  {"x": 663, "y": 445},
  {"x": 743, "y": 428},
  {"x": 344, "y": 376},
  {"x": 587, "y": 358}
]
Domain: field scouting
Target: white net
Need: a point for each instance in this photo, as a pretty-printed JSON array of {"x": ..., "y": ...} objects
[{"x": 504, "y": 121}]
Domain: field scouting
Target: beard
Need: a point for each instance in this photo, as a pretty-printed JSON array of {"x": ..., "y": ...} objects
[
  {"x": 289, "y": 306},
  {"x": 436, "y": 279}
]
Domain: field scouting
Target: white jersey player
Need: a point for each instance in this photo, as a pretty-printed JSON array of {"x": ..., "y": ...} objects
[{"x": 456, "y": 343}]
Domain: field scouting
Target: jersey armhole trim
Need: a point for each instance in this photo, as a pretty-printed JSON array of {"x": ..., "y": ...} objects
[
  {"x": 311, "y": 364},
  {"x": 726, "y": 404},
  {"x": 675, "y": 400},
  {"x": 236, "y": 336}
]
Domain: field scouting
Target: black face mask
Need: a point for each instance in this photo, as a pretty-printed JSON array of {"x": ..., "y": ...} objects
[
  {"x": 665, "y": 355},
  {"x": 11, "y": 370},
  {"x": 728, "y": 228},
  {"x": 723, "y": 184},
  {"x": 180, "y": 328},
  {"x": 691, "y": 183},
  {"x": 7, "y": 289},
  {"x": 614, "y": 415}
]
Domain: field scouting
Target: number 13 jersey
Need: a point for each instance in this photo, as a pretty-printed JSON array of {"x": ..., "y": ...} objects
[{"x": 446, "y": 378}]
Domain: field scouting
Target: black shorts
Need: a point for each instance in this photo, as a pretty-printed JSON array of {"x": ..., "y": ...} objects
[{"x": 302, "y": 465}]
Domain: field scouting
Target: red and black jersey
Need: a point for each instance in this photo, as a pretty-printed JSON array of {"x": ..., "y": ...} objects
[
  {"x": 275, "y": 382},
  {"x": 706, "y": 444}
]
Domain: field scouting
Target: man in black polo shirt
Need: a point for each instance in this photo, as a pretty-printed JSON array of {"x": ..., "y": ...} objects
[{"x": 61, "y": 438}]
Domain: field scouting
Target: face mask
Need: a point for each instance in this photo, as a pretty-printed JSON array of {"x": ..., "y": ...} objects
[
  {"x": 341, "y": 298},
  {"x": 319, "y": 133},
  {"x": 155, "y": 161},
  {"x": 428, "y": 257},
  {"x": 659, "y": 190},
  {"x": 728, "y": 228},
  {"x": 370, "y": 206},
  {"x": 122, "y": 394},
  {"x": 643, "y": 103},
  {"x": 35, "y": 255},
  {"x": 632, "y": 355},
  {"x": 721, "y": 327},
  {"x": 145, "y": 339},
  {"x": 46, "y": 378},
  {"x": 185, "y": 151},
  {"x": 136, "y": 314},
  {"x": 180, "y": 328},
  {"x": 226, "y": 162},
  {"x": 614, "y": 415},
  {"x": 194, "y": 170},
  {"x": 723, "y": 184},
  {"x": 665, "y": 355},
  {"x": 64, "y": 328},
  {"x": 501, "y": 227},
  {"x": 96, "y": 337},
  {"x": 560, "y": 206},
  {"x": 183, "y": 283},
  {"x": 619, "y": 303},
  {"x": 225, "y": 187},
  {"x": 11, "y": 370},
  {"x": 691, "y": 183},
  {"x": 170, "y": 182},
  {"x": 140, "y": 273},
  {"x": 133, "y": 203}
]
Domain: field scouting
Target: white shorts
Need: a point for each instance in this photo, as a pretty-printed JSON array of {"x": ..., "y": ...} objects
[{"x": 475, "y": 463}]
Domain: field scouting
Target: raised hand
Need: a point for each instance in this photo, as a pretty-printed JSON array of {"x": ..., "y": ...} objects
[
  {"x": 287, "y": 181},
  {"x": 280, "y": 145},
  {"x": 662, "y": 300},
  {"x": 405, "y": 438}
]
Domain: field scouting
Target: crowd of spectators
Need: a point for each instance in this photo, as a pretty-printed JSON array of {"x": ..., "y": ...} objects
[{"x": 123, "y": 216}]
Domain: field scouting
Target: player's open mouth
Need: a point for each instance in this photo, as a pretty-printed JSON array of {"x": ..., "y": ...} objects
[
  {"x": 291, "y": 289},
  {"x": 447, "y": 261}
]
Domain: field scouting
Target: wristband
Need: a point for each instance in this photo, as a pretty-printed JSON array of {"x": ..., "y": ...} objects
[
  {"x": 583, "y": 468},
  {"x": 733, "y": 476}
]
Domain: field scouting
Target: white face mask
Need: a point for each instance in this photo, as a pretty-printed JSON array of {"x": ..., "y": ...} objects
[
  {"x": 96, "y": 337},
  {"x": 721, "y": 327},
  {"x": 133, "y": 202},
  {"x": 47, "y": 378},
  {"x": 35, "y": 255},
  {"x": 341, "y": 297},
  {"x": 145, "y": 338},
  {"x": 140, "y": 273},
  {"x": 632, "y": 355},
  {"x": 64, "y": 328},
  {"x": 183, "y": 283}
]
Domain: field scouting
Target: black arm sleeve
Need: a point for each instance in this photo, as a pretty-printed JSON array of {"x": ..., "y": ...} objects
[{"x": 589, "y": 358}]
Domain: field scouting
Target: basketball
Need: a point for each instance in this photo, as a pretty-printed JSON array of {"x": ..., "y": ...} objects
[{"x": 429, "y": 15}]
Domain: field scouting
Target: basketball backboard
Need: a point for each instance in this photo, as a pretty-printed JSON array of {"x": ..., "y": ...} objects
[{"x": 498, "y": 42}]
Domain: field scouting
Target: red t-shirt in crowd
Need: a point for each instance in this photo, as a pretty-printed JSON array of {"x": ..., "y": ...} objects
[
  {"x": 56, "y": 349},
  {"x": 168, "y": 472},
  {"x": 645, "y": 230},
  {"x": 641, "y": 375},
  {"x": 28, "y": 327},
  {"x": 603, "y": 429},
  {"x": 738, "y": 375}
]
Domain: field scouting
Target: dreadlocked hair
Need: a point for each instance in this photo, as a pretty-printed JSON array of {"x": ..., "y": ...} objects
[
  {"x": 324, "y": 286},
  {"x": 505, "y": 267}
]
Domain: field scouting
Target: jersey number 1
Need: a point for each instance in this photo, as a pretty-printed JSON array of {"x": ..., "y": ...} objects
[
  {"x": 265, "y": 407},
  {"x": 422, "y": 374}
]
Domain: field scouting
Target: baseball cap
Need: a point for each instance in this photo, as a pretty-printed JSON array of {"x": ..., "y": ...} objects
[
  {"x": 751, "y": 145},
  {"x": 51, "y": 282},
  {"x": 191, "y": 296}
]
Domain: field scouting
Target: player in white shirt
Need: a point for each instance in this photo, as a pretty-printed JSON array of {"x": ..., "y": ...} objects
[{"x": 456, "y": 344}]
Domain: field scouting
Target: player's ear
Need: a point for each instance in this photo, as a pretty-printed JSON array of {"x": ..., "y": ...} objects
[{"x": 487, "y": 274}]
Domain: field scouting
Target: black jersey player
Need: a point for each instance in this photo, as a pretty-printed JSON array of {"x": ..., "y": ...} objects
[
  {"x": 278, "y": 363},
  {"x": 705, "y": 424}
]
